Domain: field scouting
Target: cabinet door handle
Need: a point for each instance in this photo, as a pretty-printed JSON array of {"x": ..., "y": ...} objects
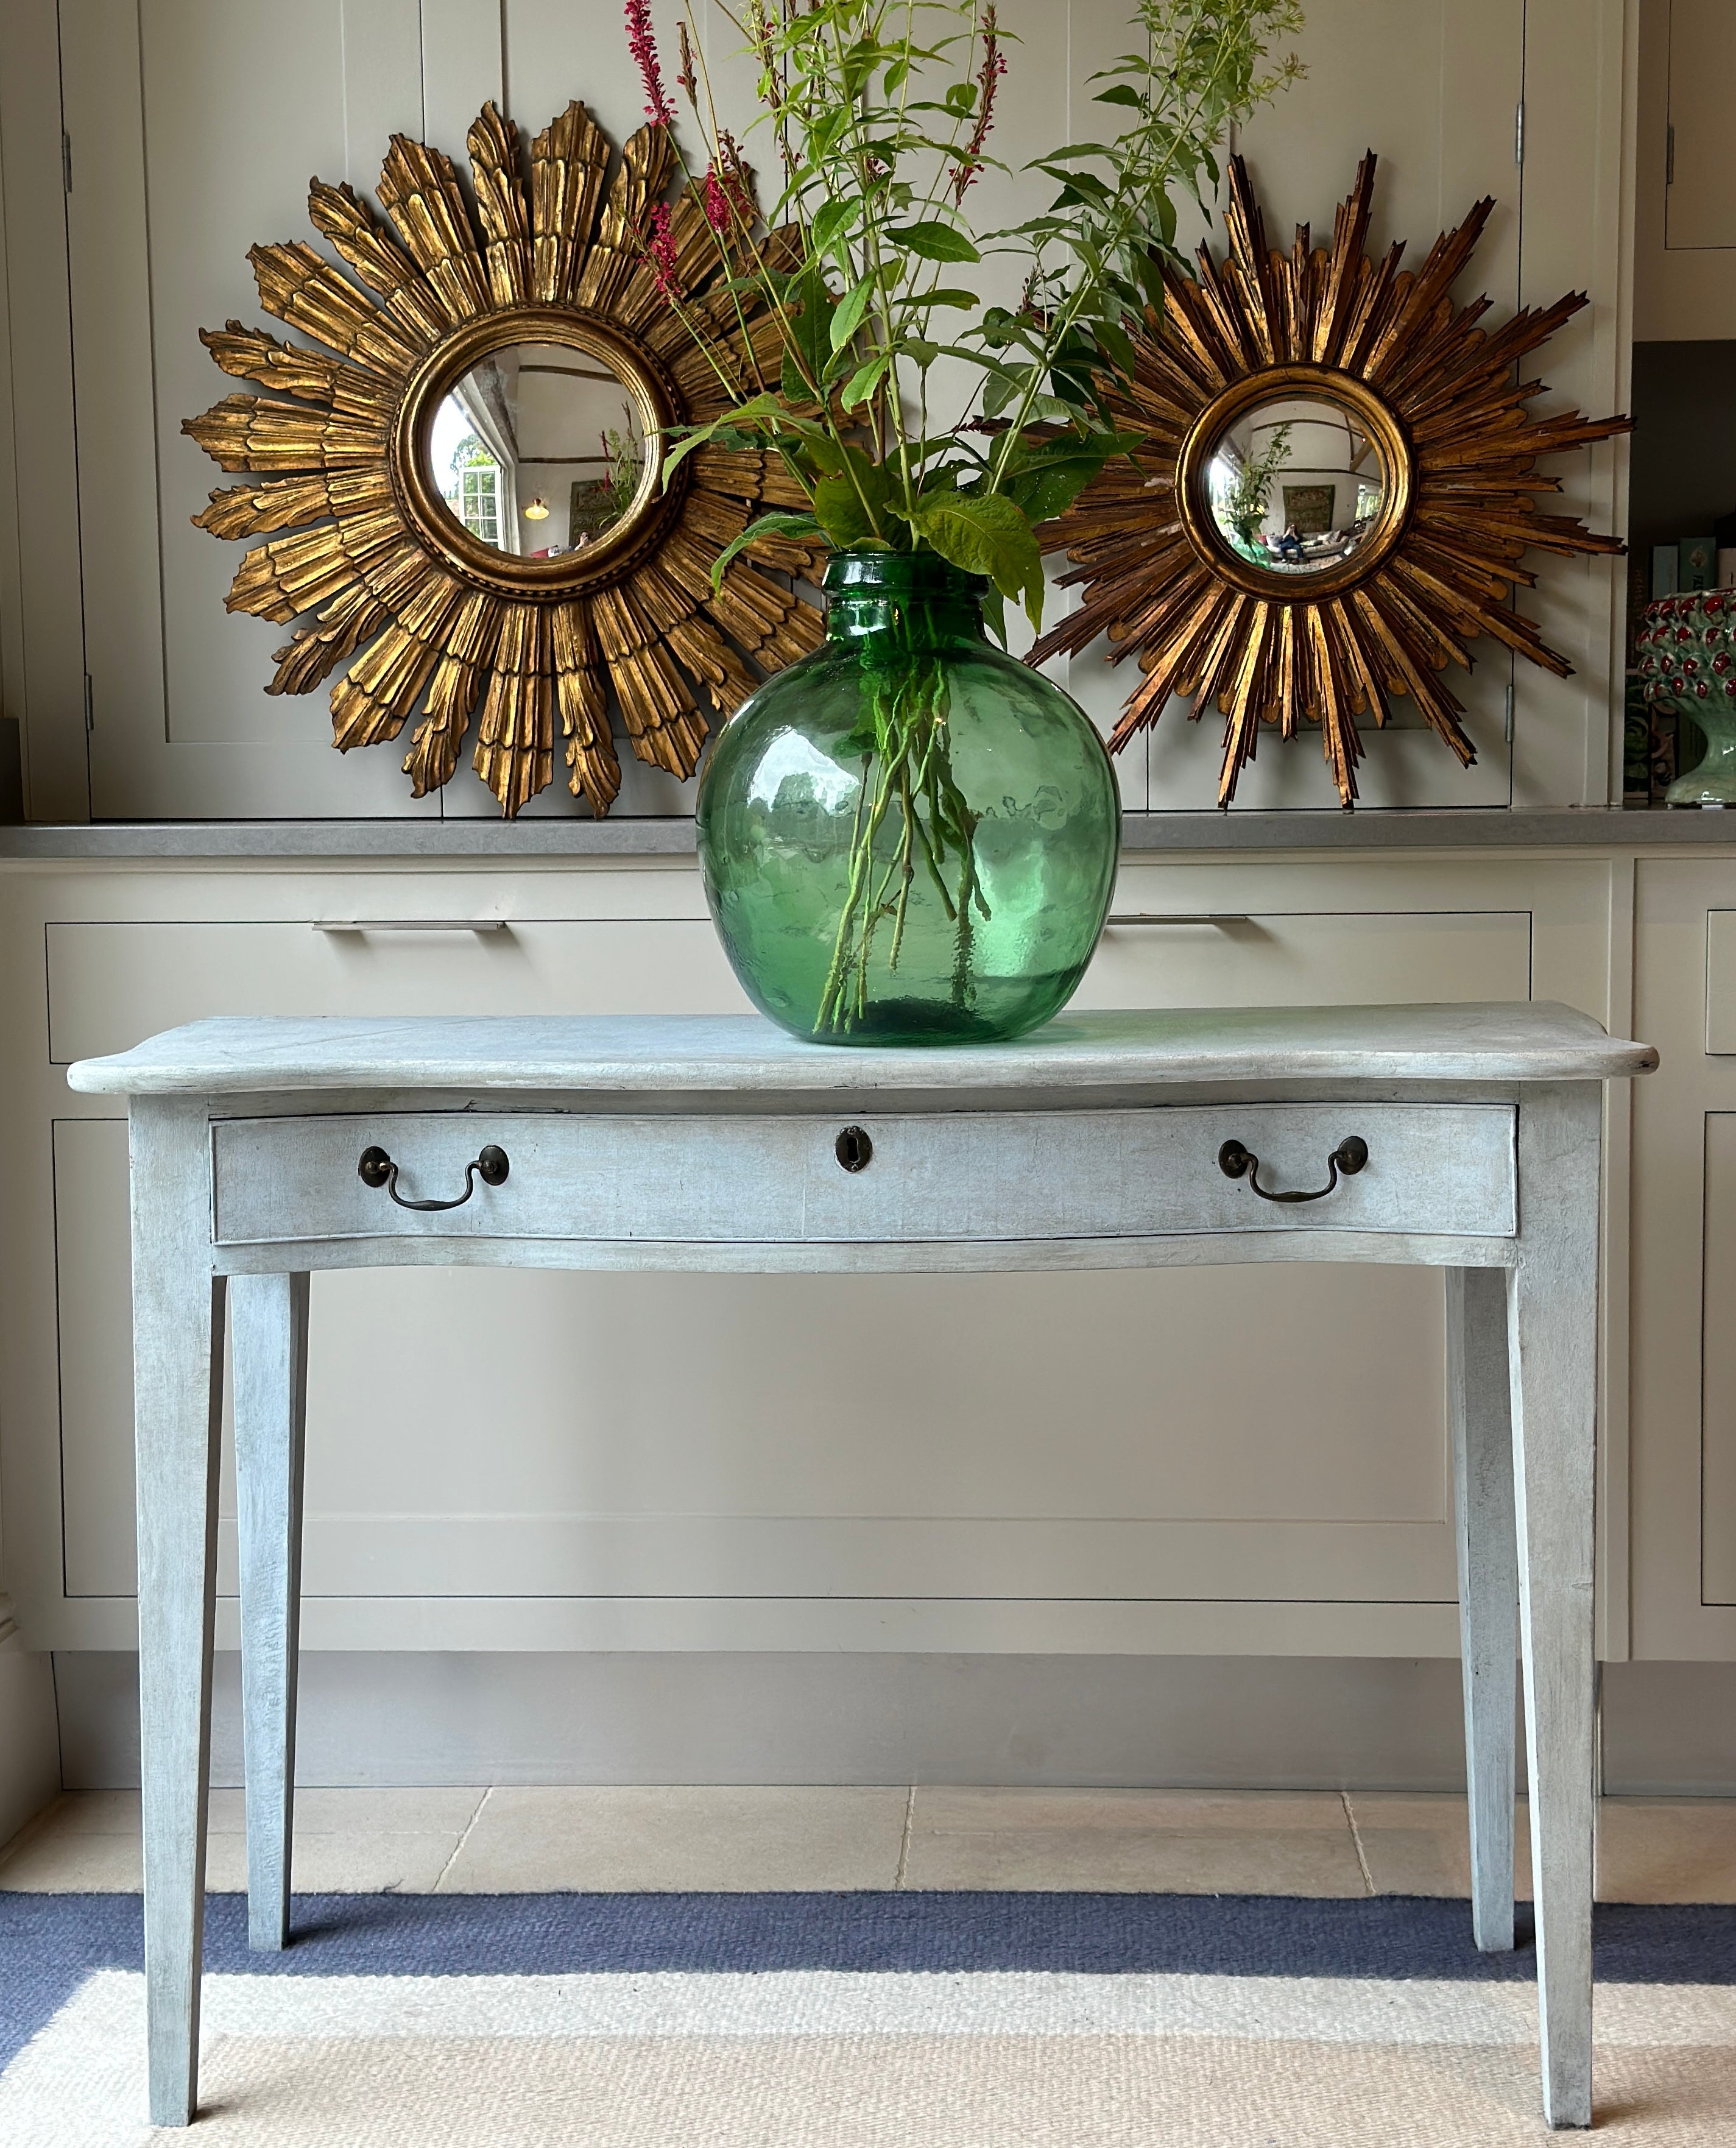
[
  {"x": 412, "y": 925},
  {"x": 1235, "y": 1161},
  {"x": 377, "y": 1169},
  {"x": 1221, "y": 918}
]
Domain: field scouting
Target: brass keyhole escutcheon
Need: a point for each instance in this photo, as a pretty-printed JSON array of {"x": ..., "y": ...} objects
[{"x": 853, "y": 1148}]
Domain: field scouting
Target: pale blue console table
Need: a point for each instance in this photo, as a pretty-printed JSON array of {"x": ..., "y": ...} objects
[{"x": 1467, "y": 1138}]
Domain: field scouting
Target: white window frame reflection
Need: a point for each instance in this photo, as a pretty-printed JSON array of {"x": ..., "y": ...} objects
[{"x": 479, "y": 500}]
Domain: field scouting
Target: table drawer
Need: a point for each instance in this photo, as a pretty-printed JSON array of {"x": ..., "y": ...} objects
[{"x": 742, "y": 1179}]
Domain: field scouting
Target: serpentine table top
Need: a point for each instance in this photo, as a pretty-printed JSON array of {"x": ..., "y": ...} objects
[{"x": 1499, "y": 1042}]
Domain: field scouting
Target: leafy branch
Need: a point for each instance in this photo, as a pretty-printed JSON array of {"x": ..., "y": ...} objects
[{"x": 881, "y": 113}]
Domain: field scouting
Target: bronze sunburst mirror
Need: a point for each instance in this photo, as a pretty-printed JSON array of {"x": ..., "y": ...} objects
[
  {"x": 1335, "y": 488},
  {"x": 466, "y": 502}
]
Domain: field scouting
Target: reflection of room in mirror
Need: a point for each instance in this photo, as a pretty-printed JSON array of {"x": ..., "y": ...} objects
[
  {"x": 1296, "y": 485},
  {"x": 538, "y": 450}
]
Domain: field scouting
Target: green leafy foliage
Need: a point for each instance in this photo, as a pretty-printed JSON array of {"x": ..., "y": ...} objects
[
  {"x": 780, "y": 523},
  {"x": 985, "y": 534},
  {"x": 880, "y": 117},
  {"x": 933, "y": 242}
]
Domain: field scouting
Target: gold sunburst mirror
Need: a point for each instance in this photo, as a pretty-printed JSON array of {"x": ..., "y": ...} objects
[
  {"x": 461, "y": 489},
  {"x": 1334, "y": 493}
]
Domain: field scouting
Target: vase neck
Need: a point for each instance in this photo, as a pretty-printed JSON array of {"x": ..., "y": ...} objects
[{"x": 901, "y": 600}]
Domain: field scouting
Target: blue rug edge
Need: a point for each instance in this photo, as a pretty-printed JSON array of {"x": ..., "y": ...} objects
[{"x": 49, "y": 1943}]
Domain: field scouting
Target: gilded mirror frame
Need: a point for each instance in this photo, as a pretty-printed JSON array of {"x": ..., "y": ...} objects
[
  {"x": 1444, "y": 399},
  {"x": 419, "y": 619}
]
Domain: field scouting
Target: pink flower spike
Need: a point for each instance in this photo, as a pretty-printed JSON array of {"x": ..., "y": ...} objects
[
  {"x": 728, "y": 204},
  {"x": 717, "y": 202},
  {"x": 963, "y": 174},
  {"x": 642, "y": 44},
  {"x": 660, "y": 250}
]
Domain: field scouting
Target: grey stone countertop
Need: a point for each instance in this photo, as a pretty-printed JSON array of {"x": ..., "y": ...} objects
[{"x": 293, "y": 842}]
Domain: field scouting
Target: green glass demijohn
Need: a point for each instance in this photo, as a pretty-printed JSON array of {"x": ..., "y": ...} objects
[{"x": 908, "y": 837}]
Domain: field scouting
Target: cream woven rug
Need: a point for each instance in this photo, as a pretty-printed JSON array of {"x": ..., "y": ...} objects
[
  {"x": 852, "y": 2059},
  {"x": 903, "y": 2019}
]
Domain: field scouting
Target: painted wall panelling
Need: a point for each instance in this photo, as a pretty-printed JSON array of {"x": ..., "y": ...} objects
[
  {"x": 12, "y": 601},
  {"x": 194, "y": 128},
  {"x": 166, "y": 93},
  {"x": 1576, "y": 200},
  {"x": 681, "y": 1440},
  {"x": 44, "y": 666},
  {"x": 182, "y": 164},
  {"x": 1432, "y": 86}
]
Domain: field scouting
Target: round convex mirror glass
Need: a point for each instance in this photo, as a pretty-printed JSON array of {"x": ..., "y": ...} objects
[
  {"x": 538, "y": 450},
  {"x": 1296, "y": 485}
]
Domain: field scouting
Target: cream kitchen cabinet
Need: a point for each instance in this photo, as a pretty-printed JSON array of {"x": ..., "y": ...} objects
[
  {"x": 1684, "y": 210},
  {"x": 1684, "y": 1263},
  {"x": 1242, "y": 1460}
]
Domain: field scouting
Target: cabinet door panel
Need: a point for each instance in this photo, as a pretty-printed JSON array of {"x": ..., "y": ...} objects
[
  {"x": 1718, "y": 1365},
  {"x": 1700, "y": 204},
  {"x": 93, "y": 1278},
  {"x": 1721, "y": 982},
  {"x": 1683, "y": 1268}
]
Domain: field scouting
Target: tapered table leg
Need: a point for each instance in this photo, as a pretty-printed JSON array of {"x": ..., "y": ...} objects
[
  {"x": 178, "y": 1309},
  {"x": 1553, "y": 1294},
  {"x": 1488, "y": 1583},
  {"x": 268, "y": 1345}
]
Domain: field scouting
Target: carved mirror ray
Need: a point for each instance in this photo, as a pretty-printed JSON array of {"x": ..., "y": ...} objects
[
  {"x": 1335, "y": 489},
  {"x": 527, "y": 347}
]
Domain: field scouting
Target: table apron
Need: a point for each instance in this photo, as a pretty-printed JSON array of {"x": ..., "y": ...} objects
[{"x": 976, "y": 1256}]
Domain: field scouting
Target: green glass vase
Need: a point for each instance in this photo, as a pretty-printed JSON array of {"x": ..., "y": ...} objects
[{"x": 908, "y": 837}]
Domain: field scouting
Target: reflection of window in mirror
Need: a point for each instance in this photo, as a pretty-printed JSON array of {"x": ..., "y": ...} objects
[
  {"x": 565, "y": 445},
  {"x": 474, "y": 462},
  {"x": 475, "y": 496}
]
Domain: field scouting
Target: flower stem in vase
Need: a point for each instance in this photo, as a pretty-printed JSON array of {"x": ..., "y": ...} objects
[{"x": 909, "y": 764}]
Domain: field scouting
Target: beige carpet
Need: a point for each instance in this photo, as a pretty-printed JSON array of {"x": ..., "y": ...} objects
[
  {"x": 921, "y": 2092},
  {"x": 841, "y": 2060}
]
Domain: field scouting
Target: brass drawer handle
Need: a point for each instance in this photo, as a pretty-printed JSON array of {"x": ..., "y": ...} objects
[
  {"x": 1235, "y": 1161},
  {"x": 376, "y": 1169}
]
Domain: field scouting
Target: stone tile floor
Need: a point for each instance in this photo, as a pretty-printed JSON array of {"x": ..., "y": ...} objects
[{"x": 740, "y": 1838}]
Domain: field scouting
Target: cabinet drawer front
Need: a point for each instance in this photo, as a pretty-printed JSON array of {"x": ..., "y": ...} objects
[
  {"x": 110, "y": 985},
  {"x": 1431, "y": 1168},
  {"x": 1159, "y": 954}
]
